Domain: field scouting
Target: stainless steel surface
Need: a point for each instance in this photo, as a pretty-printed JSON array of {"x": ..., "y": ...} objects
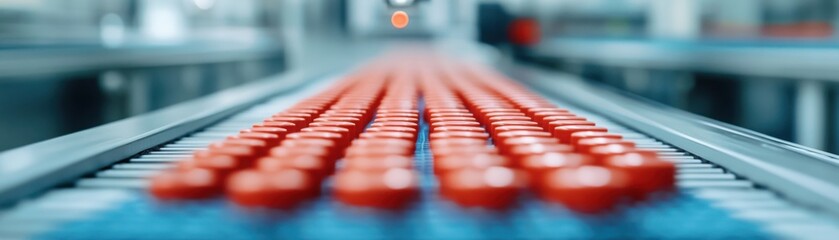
[
  {"x": 110, "y": 187},
  {"x": 39, "y": 166},
  {"x": 805, "y": 175},
  {"x": 797, "y": 61},
  {"x": 67, "y": 60}
]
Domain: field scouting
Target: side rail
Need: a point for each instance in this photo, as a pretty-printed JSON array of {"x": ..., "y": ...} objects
[
  {"x": 805, "y": 175},
  {"x": 39, "y": 166}
]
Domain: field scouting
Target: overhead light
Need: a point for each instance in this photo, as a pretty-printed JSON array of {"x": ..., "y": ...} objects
[
  {"x": 400, "y": 3},
  {"x": 204, "y": 4}
]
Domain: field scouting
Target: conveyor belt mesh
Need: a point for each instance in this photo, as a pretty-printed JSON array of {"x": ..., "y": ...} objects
[{"x": 682, "y": 216}]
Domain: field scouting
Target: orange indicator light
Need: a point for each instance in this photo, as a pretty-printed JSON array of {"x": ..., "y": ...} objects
[{"x": 399, "y": 19}]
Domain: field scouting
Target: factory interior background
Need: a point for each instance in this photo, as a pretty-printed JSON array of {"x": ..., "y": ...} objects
[{"x": 765, "y": 65}]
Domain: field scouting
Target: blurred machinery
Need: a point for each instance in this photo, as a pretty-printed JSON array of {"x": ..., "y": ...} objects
[
  {"x": 428, "y": 18},
  {"x": 69, "y": 66},
  {"x": 97, "y": 96}
]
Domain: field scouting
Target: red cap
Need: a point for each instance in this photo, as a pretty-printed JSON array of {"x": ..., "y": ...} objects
[
  {"x": 291, "y": 127},
  {"x": 459, "y": 129},
  {"x": 462, "y": 134},
  {"x": 517, "y": 152},
  {"x": 388, "y": 135},
  {"x": 389, "y": 189},
  {"x": 563, "y": 133},
  {"x": 182, "y": 184},
  {"x": 283, "y": 189},
  {"x": 455, "y": 123},
  {"x": 315, "y": 166},
  {"x": 585, "y": 145},
  {"x": 396, "y": 119},
  {"x": 270, "y": 139},
  {"x": 378, "y": 162},
  {"x": 587, "y": 189},
  {"x": 493, "y": 187},
  {"x": 577, "y": 136},
  {"x": 538, "y": 165},
  {"x": 647, "y": 173},
  {"x": 445, "y": 164},
  {"x": 602, "y": 152}
]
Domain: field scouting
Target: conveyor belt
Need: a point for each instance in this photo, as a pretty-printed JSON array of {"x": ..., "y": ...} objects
[{"x": 711, "y": 202}]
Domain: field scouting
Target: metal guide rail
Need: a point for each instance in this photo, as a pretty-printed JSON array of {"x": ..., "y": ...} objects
[{"x": 710, "y": 202}]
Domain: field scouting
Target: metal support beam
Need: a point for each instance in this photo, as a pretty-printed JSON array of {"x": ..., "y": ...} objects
[{"x": 811, "y": 114}]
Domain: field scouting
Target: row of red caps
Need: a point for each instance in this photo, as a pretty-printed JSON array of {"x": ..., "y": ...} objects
[
  {"x": 561, "y": 156},
  {"x": 378, "y": 170},
  {"x": 283, "y": 160}
]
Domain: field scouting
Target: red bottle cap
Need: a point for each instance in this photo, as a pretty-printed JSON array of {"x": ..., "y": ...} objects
[
  {"x": 563, "y": 133},
  {"x": 462, "y": 134},
  {"x": 307, "y": 116},
  {"x": 378, "y": 163},
  {"x": 459, "y": 129},
  {"x": 395, "y": 124},
  {"x": 499, "y": 114},
  {"x": 388, "y": 135},
  {"x": 457, "y": 142},
  {"x": 307, "y": 142},
  {"x": 462, "y": 150},
  {"x": 585, "y": 145},
  {"x": 396, "y": 119},
  {"x": 291, "y": 127},
  {"x": 390, "y": 189},
  {"x": 601, "y": 153},
  {"x": 339, "y": 115},
  {"x": 259, "y": 146},
  {"x": 445, "y": 164},
  {"x": 282, "y": 189},
  {"x": 518, "y": 128},
  {"x": 337, "y": 138},
  {"x": 182, "y": 184},
  {"x": 532, "y": 111},
  {"x": 383, "y": 143},
  {"x": 379, "y": 151},
  {"x": 448, "y": 110},
  {"x": 577, "y": 136},
  {"x": 545, "y": 120},
  {"x": 492, "y": 187},
  {"x": 508, "y": 118},
  {"x": 241, "y": 153},
  {"x": 338, "y": 119},
  {"x": 392, "y": 129},
  {"x": 403, "y": 115},
  {"x": 309, "y": 111},
  {"x": 455, "y": 123},
  {"x": 586, "y": 189},
  {"x": 313, "y": 165},
  {"x": 270, "y": 139},
  {"x": 501, "y": 137},
  {"x": 315, "y": 151},
  {"x": 560, "y": 123},
  {"x": 280, "y": 132},
  {"x": 220, "y": 164},
  {"x": 538, "y": 165},
  {"x": 529, "y": 140},
  {"x": 351, "y": 127},
  {"x": 647, "y": 174},
  {"x": 298, "y": 122},
  {"x": 520, "y": 151},
  {"x": 453, "y": 114}
]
